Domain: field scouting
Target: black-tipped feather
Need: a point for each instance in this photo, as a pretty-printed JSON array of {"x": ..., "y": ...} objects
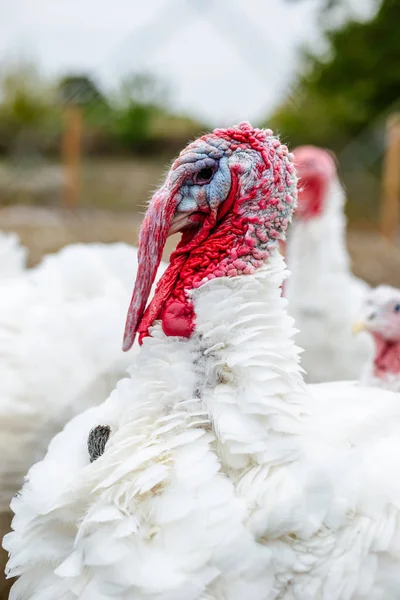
[{"x": 97, "y": 440}]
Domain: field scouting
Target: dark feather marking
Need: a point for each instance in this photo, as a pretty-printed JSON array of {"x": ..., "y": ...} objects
[{"x": 97, "y": 440}]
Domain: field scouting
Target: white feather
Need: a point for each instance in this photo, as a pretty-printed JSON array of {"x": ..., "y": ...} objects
[
  {"x": 61, "y": 327},
  {"x": 12, "y": 256},
  {"x": 286, "y": 491}
]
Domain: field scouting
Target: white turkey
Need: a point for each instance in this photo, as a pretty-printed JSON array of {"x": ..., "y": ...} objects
[
  {"x": 324, "y": 296},
  {"x": 380, "y": 317},
  {"x": 213, "y": 472}
]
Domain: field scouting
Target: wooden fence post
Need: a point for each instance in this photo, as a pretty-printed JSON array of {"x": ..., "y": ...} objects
[
  {"x": 71, "y": 151},
  {"x": 390, "y": 207}
]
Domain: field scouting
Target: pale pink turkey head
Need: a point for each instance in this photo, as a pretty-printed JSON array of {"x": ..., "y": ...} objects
[
  {"x": 231, "y": 193},
  {"x": 380, "y": 316},
  {"x": 315, "y": 169}
]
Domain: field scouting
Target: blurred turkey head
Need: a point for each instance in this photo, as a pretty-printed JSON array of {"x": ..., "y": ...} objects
[
  {"x": 316, "y": 169},
  {"x": 380, "y": 314}
]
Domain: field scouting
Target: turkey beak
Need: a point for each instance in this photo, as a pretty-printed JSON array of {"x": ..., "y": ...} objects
[
  {"x": 179, "y": 222},
  {"x": 359, "y": 326},
  {"x": 157, "y": 225}
]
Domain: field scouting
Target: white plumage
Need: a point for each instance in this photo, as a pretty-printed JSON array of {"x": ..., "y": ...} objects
[
  {"x": 12, "y": 256},
  {"x": 60, "y": 348},
  {"x": 324, "y": 296},
  {"x": 225, "y": 477}
]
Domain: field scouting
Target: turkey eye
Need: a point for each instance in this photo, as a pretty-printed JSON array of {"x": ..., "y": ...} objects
[
  {"x": 397, "y": 308},
  {"x": 204, "y": 176}
]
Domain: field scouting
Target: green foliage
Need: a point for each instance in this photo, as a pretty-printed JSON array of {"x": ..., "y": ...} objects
[
  {"x": 342, "y": 92},
  {"x": 27, "y": 108},
  {"x": 23, "y": 95},
  {"x": 142, "y": 89},
  {"x": 134, "y": 118},
  {"x": 139, "y": 99},
  {"x": 80, "y": 89},
  {"x": 132, "y": 126}
]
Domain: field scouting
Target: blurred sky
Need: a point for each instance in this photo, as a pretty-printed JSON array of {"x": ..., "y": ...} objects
[{"x": 225, "y": 60}]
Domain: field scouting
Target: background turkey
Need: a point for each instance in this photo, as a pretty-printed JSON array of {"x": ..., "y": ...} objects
[
  {"x": 324, "y": 296},
  {"x": 380, "y": 317}
]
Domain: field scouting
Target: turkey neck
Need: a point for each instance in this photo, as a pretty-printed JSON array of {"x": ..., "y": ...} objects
[
  {"x": 316, "y": 249},
  {"x": 251, "y": 384}
]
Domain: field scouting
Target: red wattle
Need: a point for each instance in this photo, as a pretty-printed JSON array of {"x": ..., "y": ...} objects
[
  {"x": 178, "y": 320},
  {"x": 387, "y": 358}
]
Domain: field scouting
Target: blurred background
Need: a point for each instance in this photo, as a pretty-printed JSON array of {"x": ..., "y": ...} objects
[{"x": 97, "y": 97}]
